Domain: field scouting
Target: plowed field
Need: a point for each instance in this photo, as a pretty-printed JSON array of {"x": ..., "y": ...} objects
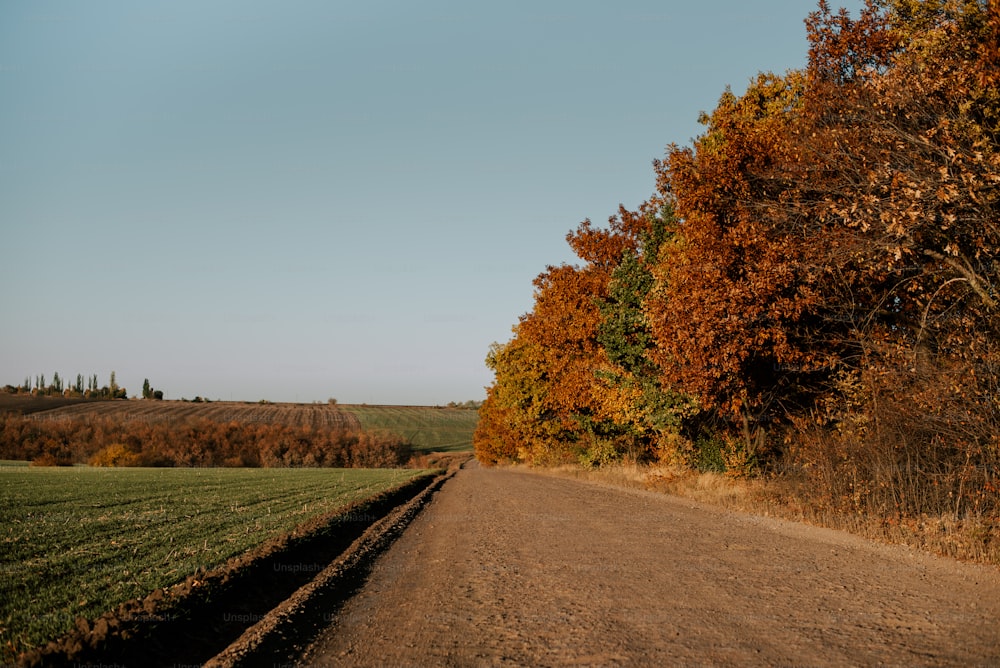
[{"x": 316, "y": 416}]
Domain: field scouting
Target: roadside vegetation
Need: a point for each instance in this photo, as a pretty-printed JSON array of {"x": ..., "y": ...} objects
[
  {"x": 809, "y": 301},
  {"x": 79, "y": 541}
]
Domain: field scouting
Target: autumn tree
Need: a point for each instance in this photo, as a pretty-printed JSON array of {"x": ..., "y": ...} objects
[
  {"x": 553, "y": 361},
  {"x": 911, "y": 183},
  {"x": 630, "y": 389},
  {"x": 897, "y": 178},
  {"x": 513, "y": 420},
  {"x": 733, "y": 314},
  {"x": 542, "y": 407}
]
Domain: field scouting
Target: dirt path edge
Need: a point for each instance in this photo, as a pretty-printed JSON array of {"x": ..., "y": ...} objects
[{"x": 284, "y": 632}]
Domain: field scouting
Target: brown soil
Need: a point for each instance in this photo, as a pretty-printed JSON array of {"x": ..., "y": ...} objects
[
  {"x": 511, "y": 568},
  {"x": 25, "y": 404}
]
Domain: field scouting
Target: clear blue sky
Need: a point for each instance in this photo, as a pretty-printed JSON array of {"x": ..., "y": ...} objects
[{"x": 298, "y": 199}]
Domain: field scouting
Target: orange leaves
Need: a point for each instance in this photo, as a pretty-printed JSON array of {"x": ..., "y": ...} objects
[
  {"x": 732, "y": 291},
  {"x": 844, "y": 50},
  {"x": 599, "y": 248}
]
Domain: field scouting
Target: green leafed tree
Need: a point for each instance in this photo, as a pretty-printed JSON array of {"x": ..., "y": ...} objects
[{"x": 638, "y": 405}]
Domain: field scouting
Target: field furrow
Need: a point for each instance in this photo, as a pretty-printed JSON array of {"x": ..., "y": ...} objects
[{"x": 317, "y": 416}]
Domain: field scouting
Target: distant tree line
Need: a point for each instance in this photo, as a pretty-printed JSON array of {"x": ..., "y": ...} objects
[
  {"x": 471, "y": 404},
  {"x": 84, "y": 388},
  {"x": 149, "y": 393}
]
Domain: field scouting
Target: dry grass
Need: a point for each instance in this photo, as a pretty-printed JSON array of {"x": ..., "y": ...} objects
[{"x": 446, "y": 461}]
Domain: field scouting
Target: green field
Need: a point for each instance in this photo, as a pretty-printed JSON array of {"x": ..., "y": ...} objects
[
  {"x": 80, "y": 541},
  {"x": 425, "y": 427}
]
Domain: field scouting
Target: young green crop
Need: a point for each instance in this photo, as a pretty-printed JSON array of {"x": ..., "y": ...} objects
[
  {"x": 426, "y": 428},
  {"x": 80, "y": 541}
]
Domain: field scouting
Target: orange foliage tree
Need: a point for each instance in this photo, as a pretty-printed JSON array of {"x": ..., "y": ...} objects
[
  {"x": 541, "y": 407},
  {"x": 733, "y": 319},
  {"x": 559, "y": 395}
]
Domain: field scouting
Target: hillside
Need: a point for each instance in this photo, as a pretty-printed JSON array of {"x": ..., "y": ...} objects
[{"x": 424, "y": 428}]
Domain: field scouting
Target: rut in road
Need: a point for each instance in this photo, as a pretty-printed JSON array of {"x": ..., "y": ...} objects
[{"x": 511, "y": 567}]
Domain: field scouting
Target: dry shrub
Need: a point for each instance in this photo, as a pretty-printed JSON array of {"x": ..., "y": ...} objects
[
  {"x": 910, "y": 455},
  {"x": 379, "y": 449},
  {"x": 116, "y": 454},
  {"x": 438, "y": 460},
  {"x": 918, "y": 445},
  {"x": 198, "y": 442},
  {"x": 49, "y": 459},
  {"x": 709, "y": 487}
]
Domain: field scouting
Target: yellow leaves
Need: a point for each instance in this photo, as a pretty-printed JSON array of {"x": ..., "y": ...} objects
[{"x": 618, "y": 399}]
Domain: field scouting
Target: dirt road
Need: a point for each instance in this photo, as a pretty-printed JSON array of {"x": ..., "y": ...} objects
[{"x": 514, "y": 568}]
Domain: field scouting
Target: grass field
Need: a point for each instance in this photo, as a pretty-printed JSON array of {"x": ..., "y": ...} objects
[
  {"x": 79, "y": 541},
  {"x": 426, "y": 428}
]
